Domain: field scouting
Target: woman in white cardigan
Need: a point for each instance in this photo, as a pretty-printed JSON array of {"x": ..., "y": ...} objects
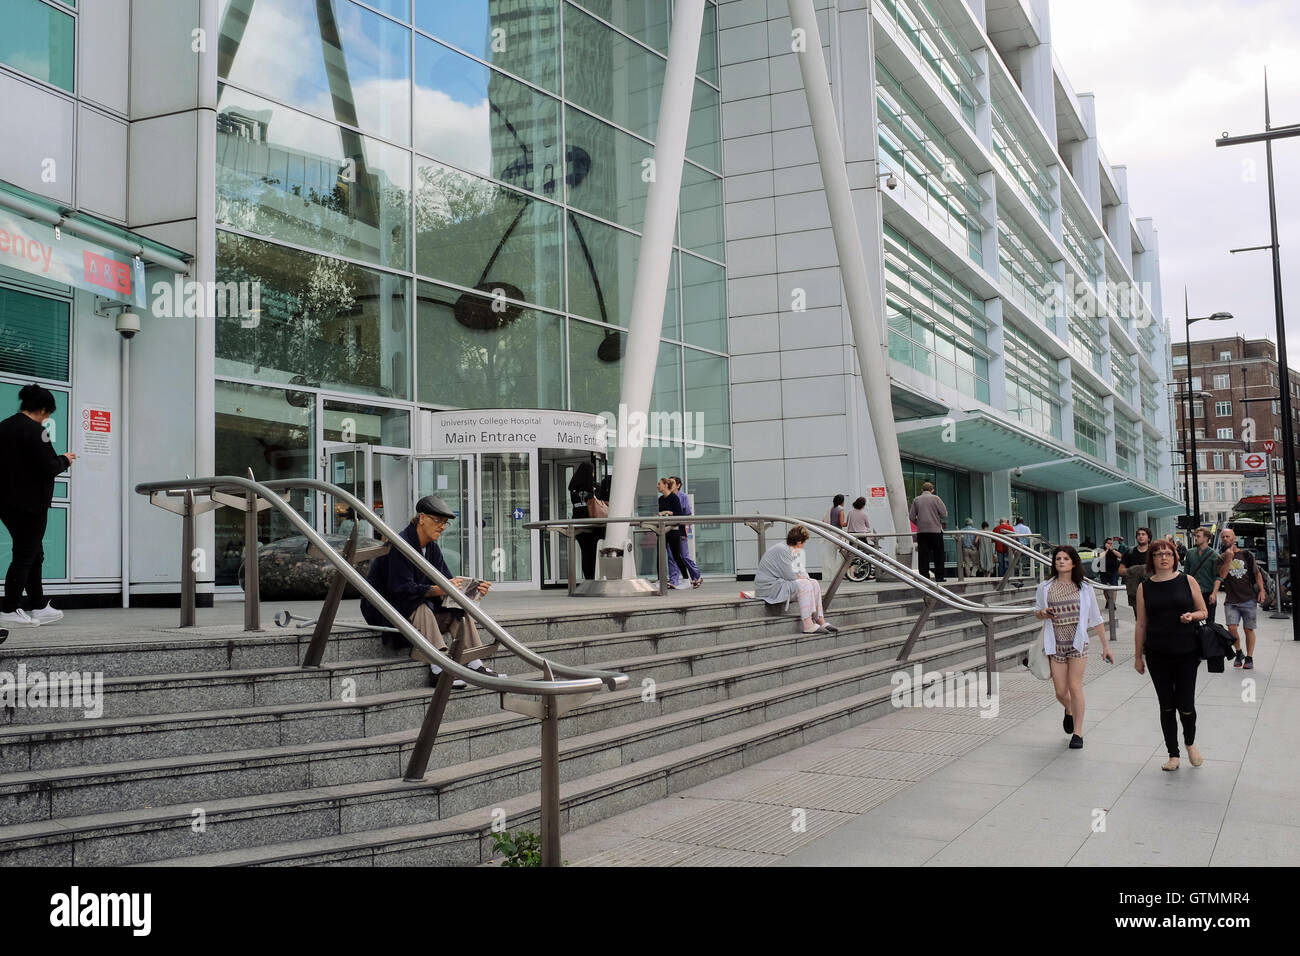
[{"x": 1068, "y": 605}]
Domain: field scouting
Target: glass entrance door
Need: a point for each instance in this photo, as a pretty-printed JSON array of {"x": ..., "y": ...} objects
[
  {"x": 452, "y": 480},
  {"x": 506, "y": 502},
  {"x": 349, "y": 467}
]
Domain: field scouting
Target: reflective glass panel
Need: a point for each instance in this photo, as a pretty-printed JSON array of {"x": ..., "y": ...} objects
[
  {"x": 704, "y": 303},
  {"x": 469, "y": 356},
  {"x": 647, "y": 20},
  {"x": 701, "y": 212},
  {"x": 472, "y": 232},
  {"x": 321, "y": 322},
  {"x": 269, "y": 430},
  {"x": 595, "y": 372},
  {"x": 708, "y": 481},
  {"x": 34, "y": 337},
  {"x": 394, "y": 8},
  {"x": 706, "y": 65},
  {"x": 707, "y": 398},
  {"x": 483, "y": 121},
  {"x": 520, "y": 37},
  {"x": 607, "y": 170},
  {"x": 330, "y": 57},
  {"x": 38, "y": 40},
  {"x": 610, "y": 75},
  {"x": 290, "y": 176},
  {"x": 602, "y": 272},
  {"x": 366, "y": 424},
  {"x": 704, "y": 135}
]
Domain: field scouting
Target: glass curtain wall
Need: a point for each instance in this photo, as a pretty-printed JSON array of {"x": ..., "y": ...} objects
[{"x": 441, "y": 203}]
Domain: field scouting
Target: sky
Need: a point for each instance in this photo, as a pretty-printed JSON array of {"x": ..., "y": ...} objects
[{"x": 1170, "y": 76}]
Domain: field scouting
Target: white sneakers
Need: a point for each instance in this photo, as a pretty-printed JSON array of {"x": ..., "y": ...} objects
[
  {"x": 20, "y": 618},
  {"x": 46, "y": 615}
]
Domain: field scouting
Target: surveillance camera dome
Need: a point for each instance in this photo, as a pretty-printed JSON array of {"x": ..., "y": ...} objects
[
  {"x": 892, "y": 181},
  {"x": 127, "y": 325}
]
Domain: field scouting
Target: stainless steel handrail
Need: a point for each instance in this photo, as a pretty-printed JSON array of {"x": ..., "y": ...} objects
[{"x": 555, "y": 697}]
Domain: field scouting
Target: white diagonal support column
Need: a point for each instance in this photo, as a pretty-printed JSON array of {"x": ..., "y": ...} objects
[
  {"x": 645, "y": 324},
  {"x": 853, "y": 269}
]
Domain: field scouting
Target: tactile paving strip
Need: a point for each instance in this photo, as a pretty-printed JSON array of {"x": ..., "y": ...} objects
[
  {"x": 914, "y": 741},
  {"x": 822, "y": 791},
  {"x": 756, "y": 827},
  {"x": 884, "y": 764},
  {"x": 646, "y": 852},
  {"x": 958, "y": 723}
]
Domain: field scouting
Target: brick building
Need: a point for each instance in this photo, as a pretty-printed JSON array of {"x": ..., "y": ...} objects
[{"x": 1241, "y": 378}]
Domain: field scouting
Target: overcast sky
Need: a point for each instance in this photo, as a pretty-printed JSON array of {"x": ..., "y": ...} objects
[{"x": 1169, "y": 77}]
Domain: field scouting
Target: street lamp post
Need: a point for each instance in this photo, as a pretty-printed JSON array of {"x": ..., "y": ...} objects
[
  {"x": 1191, "y": 417},
  {"x": 1288, "y": 443}
]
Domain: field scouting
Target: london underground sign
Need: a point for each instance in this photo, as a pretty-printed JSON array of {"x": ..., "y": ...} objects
[{"x": 1254, "y": 461}]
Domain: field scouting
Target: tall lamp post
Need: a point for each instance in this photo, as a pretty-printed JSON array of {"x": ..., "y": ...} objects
[
  {"x": 1190, "y": 467},
  {"x": 1288, "y": 441},
  {"x": 1191, "y": 417}
]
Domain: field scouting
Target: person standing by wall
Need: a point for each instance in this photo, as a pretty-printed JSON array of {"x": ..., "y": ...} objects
[
  {"x": 988, "y": 556},
  {"x": 836, "y": 517},
  {"x": 969, "y": 550},
  {"x": 1003, "y": 527},
  {"x": 1202, "y": 565},
  {"x": 1168, "y": 605},
  {"x": 928, "y": 513},
  {"x": 28, "y": 466}
]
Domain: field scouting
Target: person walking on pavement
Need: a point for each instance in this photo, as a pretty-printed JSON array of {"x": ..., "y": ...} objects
[
  {"x": 1202, "y": 564},
  {"x": 1169, "y": 604},
  {"x": 28, "y": 465},
  {"x": 969, "y": 551},
  {"x": 685, "y": 563},
  {"x": 1110, "y": 561},
  {"x": 988, "y": 556},
  {"x": 1003, "y": 527},
  {"x": 928, "y": 513},
  {"x": 1133, "y": 566},
  {"x": 1243, "y": 589},
  {"x": 1068, "y": 603}
]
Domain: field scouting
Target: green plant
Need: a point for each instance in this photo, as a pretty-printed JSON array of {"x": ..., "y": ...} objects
[{"x": 519, "y": 849}]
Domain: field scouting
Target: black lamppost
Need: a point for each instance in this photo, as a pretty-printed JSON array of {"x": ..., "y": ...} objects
[
  {"x": 1191, "y": 417},
  {"x": 1283, "y": 370}
]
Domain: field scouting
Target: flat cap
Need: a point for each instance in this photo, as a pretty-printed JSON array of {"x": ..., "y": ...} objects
[{"x": 433, "y": 505}]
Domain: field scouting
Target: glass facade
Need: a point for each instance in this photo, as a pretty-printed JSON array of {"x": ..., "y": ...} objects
[
  {"x": 1089, "y": 421},
  {"x": 1033, "y": 384},
  {"x": 929, "y": 33},
  {"x": 1026, "y": 271},
  {"x": 442, "y": 204},
  {"x": 39, "y": 39}
]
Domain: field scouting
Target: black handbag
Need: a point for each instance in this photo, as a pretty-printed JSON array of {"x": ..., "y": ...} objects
[{"x": 1216, "y": 645}]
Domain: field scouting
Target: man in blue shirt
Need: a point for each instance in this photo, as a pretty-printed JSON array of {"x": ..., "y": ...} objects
[
  {"x": 415, "y": 596},
  {"x": 683, "y": 551},
  {"x": 970, "y": 554}
]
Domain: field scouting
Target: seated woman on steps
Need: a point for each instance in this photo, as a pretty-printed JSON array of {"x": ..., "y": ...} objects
[{"x": 782, "y": 576}]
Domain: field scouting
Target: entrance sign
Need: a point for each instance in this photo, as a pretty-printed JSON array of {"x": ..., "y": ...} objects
[
  {"x": 510, "y": 429},
  {"x": 33, "y": 247}
]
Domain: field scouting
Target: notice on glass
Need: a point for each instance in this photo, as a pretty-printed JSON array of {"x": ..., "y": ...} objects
[{"x": 96, "y": 430}]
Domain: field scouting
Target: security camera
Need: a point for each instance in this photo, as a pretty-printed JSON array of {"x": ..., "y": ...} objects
[
  {"x": 1019, "y": 472},
  {"x": 127, "y": 325},
  {"x": 892, "y": 181}
]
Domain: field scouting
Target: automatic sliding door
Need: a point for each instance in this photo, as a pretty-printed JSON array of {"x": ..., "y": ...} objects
[
  {"x": 506, "y": 502},
  {"x": 450, "y": 479}
]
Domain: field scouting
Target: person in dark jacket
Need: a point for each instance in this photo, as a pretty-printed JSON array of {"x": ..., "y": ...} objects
[
  {"x": 582, "y": 488},
  {"x": 28, "y": 466},
  {"x": 415, "y": 596}
]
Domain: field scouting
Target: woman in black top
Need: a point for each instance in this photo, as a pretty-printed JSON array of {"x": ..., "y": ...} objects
[
  {"x": 582, "y": 488},
  {"x": 1133, "y": 567},
  {"x": 28, "y": 465},
  {"x": 1169, "y": 604}
]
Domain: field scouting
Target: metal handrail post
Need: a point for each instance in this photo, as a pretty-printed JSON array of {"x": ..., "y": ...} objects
[
  {"x": 915, "y": 633},
  {"x": 662, "y": 548},
  {"x": 840, "y": 574},
  {"x": 550, "y": 792},
  {"x": 990, "y": 652},
  {"x": 252, "y": 594},
  {"x": 418, "y": 765},
  {"x": 1111, "y": 603},
  {"x": 188, "y": 580},
  {"x": 329, "y": 610},
  {"x": 961, "y": 559}
]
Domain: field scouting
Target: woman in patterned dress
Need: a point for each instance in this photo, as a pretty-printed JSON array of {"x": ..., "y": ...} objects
[{"x": 1068, "y": 605}]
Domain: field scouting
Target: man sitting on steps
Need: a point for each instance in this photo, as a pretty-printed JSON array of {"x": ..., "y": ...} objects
[{"x": 415, "y": 596}]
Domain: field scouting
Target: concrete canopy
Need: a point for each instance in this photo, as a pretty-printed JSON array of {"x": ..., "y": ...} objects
[{"x": 975, "y": 441}]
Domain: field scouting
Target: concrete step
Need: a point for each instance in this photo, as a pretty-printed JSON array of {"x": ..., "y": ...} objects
[
  {"x": 466, "y": 839},
  {"x": 25, "y": 748},
  {"x": 141, "y": 834}
]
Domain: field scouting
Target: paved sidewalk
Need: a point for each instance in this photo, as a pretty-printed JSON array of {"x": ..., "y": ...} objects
[{"x": 945, "y": 786}]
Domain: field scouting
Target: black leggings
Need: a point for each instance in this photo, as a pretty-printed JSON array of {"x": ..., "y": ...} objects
[
  {"x": 1174, "y": 677},
  {"x": 27, "y": 529}
]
